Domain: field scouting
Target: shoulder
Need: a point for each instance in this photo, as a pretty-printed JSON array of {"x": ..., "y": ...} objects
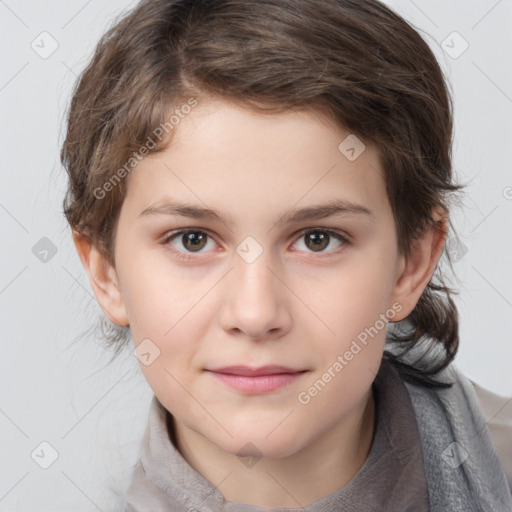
[
  {"x": 472, "y": 416},
  {"x": 497, "y": 411}
]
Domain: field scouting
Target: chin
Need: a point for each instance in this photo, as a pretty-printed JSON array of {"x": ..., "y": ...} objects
[{"x": 275, "y": 446}]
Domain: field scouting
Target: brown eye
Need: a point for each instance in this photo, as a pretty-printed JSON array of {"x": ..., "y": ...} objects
[
  {"x": 188, "y": 241},
  {"x": 194, "y": 240},
  {"x": 317, "y": 240}
]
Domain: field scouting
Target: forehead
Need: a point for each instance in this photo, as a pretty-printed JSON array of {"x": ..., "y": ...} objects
[{"x": 222, "y": 153}]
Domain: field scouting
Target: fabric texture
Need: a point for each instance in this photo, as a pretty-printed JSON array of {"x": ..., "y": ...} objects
[
  {"x": 497, "y": 412},
  {"x": 462, "y": 467},
  {"x": 431, "y": 451}
]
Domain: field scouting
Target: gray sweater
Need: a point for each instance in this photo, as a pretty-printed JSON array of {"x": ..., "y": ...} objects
[{"x": 431, "y": 451}]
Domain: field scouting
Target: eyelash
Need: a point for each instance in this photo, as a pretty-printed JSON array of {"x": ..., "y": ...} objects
[{"x": 330, "y": 232}]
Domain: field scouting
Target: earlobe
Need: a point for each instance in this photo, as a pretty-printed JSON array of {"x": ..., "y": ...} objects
[
  {"x": 103, "y": 279},
  {"x": 417, "y": 268}
]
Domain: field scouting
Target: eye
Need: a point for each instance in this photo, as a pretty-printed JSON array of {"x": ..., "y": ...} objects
[
  {"x": 318, "y": 239},
  {"x": 194, "y": 240}
]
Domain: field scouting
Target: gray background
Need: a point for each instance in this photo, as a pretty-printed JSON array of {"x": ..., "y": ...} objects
[{"x": 59, "y": 388}]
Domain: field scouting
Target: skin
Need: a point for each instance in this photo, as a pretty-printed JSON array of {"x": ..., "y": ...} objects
[{"x": 296, "y": 305}]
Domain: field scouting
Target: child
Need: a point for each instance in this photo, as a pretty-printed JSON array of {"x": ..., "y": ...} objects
[{"x": 260, "y": 195}]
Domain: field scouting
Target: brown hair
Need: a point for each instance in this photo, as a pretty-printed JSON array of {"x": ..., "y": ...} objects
[{"x": 356, "y": 60}]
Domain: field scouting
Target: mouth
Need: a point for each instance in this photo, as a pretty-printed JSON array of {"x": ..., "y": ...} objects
[{"x": 260, "y": 380}]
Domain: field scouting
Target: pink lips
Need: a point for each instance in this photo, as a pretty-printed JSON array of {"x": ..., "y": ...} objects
[{"x": 264, "y": 379}]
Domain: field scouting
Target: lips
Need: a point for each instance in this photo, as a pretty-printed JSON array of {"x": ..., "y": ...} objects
[
  {"x": 256, "y": 380},
  {"x": 255, "y": 372}
]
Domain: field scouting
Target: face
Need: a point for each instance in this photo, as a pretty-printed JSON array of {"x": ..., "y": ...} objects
[{"x": 266, "y": 281}]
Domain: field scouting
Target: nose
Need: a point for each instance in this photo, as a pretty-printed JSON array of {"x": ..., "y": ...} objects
[{"x": 255, "y": 302}]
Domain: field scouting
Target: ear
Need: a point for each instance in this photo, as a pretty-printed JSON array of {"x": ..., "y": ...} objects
[
  {"x": 103, "y": 279},
  {"x": 415, "y": 270}
]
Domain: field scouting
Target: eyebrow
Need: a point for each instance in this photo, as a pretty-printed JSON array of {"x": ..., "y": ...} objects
[{"x": 315, "y": 212}]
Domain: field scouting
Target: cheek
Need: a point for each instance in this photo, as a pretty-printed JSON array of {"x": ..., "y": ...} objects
[
  {"x": 166, "y": 316},
  {"x": 354, "y": 299},
  {"x": 356, "y": 309},
  {"x": 157, "y": 296},
  {"x": 358, "y": 313}
]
